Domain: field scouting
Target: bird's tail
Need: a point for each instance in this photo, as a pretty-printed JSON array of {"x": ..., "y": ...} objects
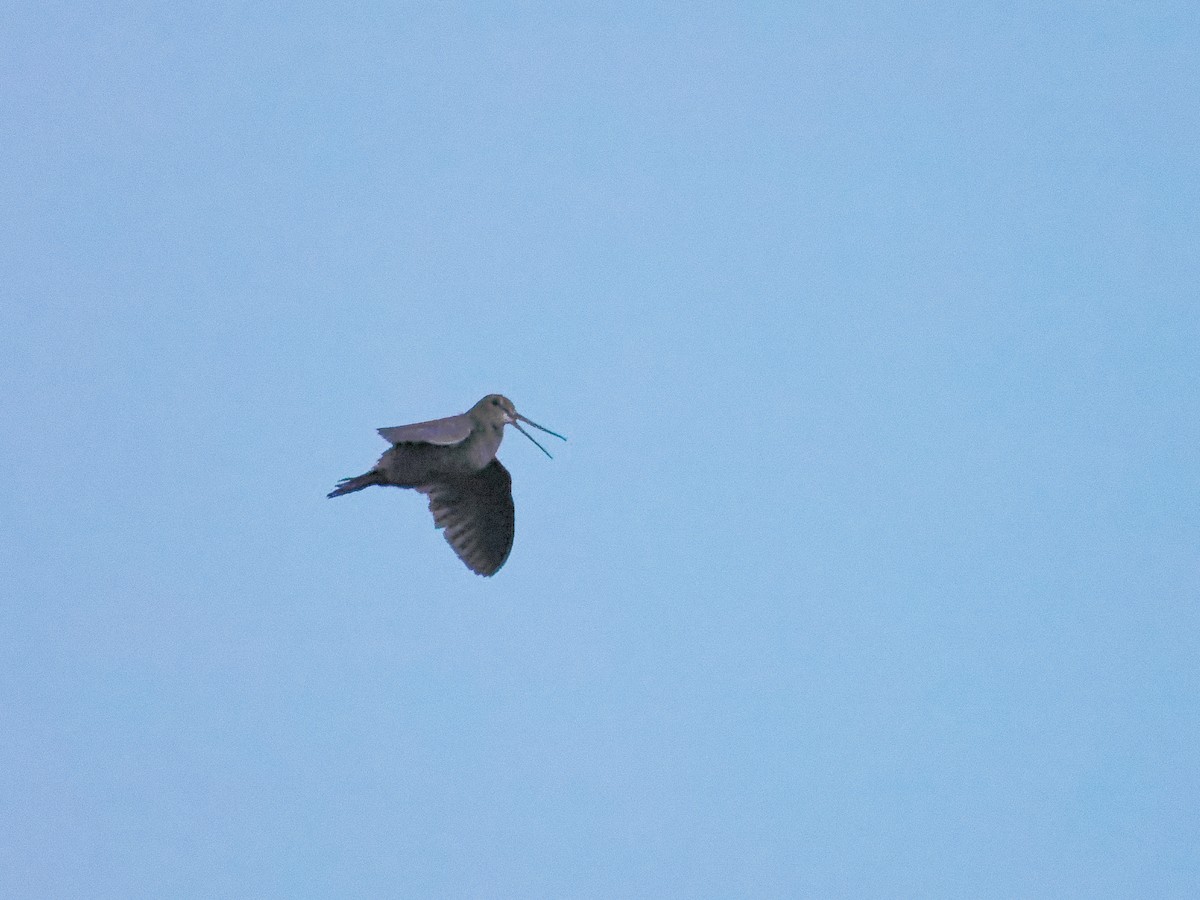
[{"x": 350, "y": 485}]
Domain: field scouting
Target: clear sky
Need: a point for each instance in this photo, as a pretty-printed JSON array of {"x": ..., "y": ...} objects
[{"x": 871, "y": 567}]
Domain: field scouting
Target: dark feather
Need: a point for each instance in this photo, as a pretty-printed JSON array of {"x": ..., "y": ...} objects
[{"x": 477, "y": 514}]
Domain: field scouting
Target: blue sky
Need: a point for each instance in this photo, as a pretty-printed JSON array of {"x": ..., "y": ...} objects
[{"x": 871, "y": 566}]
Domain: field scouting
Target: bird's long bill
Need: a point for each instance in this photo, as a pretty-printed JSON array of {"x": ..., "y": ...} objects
[{"x": 539, "y": 428}]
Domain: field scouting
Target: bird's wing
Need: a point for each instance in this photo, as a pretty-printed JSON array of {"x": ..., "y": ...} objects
[
  {"x": 477, "y": 513},
  {"x": 442, "y": 432}
]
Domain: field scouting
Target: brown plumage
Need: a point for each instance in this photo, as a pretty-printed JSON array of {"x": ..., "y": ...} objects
[{"x": 453, "y": 462}]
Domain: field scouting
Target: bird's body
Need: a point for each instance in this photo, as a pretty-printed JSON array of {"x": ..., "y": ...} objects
[
  {"x": 409, "y": 463},
  {"x": 453, "y": 461}
]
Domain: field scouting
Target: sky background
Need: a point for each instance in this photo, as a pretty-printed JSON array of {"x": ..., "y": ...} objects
[{"x": 871, "y": 567}]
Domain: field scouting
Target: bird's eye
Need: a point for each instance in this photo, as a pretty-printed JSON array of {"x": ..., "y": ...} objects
[{"x": 495, "y": 402}]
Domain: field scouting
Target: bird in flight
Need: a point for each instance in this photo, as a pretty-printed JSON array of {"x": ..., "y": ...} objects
[{"x": 453, "y": 462}]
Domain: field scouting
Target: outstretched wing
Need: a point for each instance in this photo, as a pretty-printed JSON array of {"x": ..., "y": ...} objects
[
  {"x": 442, "y": 432},
  {"x": 477, "y": 514}
]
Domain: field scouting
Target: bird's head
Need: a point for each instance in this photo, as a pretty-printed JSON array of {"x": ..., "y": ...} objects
[{"x": 499, "y": 410}]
